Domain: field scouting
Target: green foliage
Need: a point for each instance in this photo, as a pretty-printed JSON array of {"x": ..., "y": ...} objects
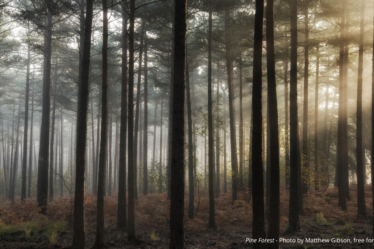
[
  {"x": 348, "y": 227},
  {"x": 321, "y": 219}
]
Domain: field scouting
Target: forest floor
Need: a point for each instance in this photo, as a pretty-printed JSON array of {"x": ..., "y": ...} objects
[{"x": 21, "y": 225}]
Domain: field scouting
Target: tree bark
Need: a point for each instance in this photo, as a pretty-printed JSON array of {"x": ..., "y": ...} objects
[
  {"x": 217, "y": 186},
  {"x": 286, "y": 130},
  {"x": 145, "y": 132},
  {"x": 258, "y": 229},
  {"x": 273, "y": 229},
  {"x": 360, "y": 164},
  {"x": 24, "y": 161},
  {"x": 15, "y": 161},
  {"x": 294, "y": 181},
  {"x": 52, "y": 141},
  {"x": 99, "y": 241},
  {"x": 62, "y": 153},
  {"x": 121, "y": 210},
  {"x": 177, "y": 155},
  {"x": 160, "y": 167},
  {"x": 42, "y": 185},
  {"x": 316, "y": 159}
]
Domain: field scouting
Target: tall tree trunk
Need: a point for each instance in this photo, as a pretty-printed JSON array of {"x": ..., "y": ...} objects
[
  {"x": 286, "y": 131},
  {"x": 110, "y": 155},
  {"x": 121, "y": 210},
  {"x": 241, "y": 139},
  {"x": 191, "y": 189},
  {"x": 52, "y": 141},
  {"x": 177, "y": 153},
  {"x": 258, "y": 229},
  {"x": 305, "y": 160},
  {"x": 97, "y": 148},
  {"x": 217, "y": 186},
  {"x": 93, "y": 147},
  {"x": 62, "y": 152},
  {"x": 145, "y": 132},
  {"x": 372, "y": 127},
  {"x": 115, "y": 177},
  {"x": 294, "y": 181},
  {"x": 79, "y": 233},
  {"x": 31, "y": 142},
  {"x": 234, "y": 159},
  {"x": 15, "y": 161},
  {"x": 160, "y": 168},
  {"x": 24, "y": 161},
  {"x": 131, "y": 232},
  {"x": 324, "y": 170},
  {"x": 273, "y": 228},
  {"x": 340, "y": 151},
  {"x": 224, "y": 144},
  {"x": 99, "y": 241},
  {"x": 212, "y": 220},
  {"x": 11, "y": 152},
  {"x": 154, "y": 148},
  {"x": 137, "y": 109},
  {"x": 42, "y": 186},
  {"x": 316, "y": 160},
  {"x": 360, "y": 164}
]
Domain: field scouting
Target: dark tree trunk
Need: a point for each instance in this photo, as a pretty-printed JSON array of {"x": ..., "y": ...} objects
[
  {"x": 191, "y": 196},
  {"x": 372, "y": 127},
  {"x": 24, "y": 161},
  {"x": 177, "y": 153},
  {"x": 154, "y": 148},
  {"x": 121, "y": 211},
  {"x": 286, "y": 120},
  {"x": 234, "y": 159},
  {"x": 212, "y": 220},
  {"x": 99, "y": 241},
  {"x": 11, "y": 151},
  {"x": 241, "y": 139},
  {"x": 131, "y": 232},
  {"x": 15, "y": 161},
  {"x": 145, "y": 132},
  {"x": 273, "y": 229},
  {"x": 97, "y": 148},
  {"x": 79, "y": 233},
  {"x": 340, "y": 151},
  {"x": 316, "y": 160},
  {"x": 305, "y": 160},
  {"x": 137, "y": 110},
  {"x": 31, "y": 142},
  {"x": 62, "y": 153},
  {"x": 42, "y": 186},
  {"x": 217, "y": 186},
  {"x": 258, "y": 229},
  {"x": 52, "y": 141},
  {"x": 160, "y": 167},
  {"x": 360, "y": 164},
  {"x": 93, "y": 147},
  {"x": 224, "y": 144},
  {"x": 110, "y": 156},
  {"x": 294, "y": 181}
]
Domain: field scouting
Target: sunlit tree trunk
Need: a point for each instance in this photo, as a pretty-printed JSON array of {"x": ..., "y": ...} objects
[
  {"x": 241, "y": 149},
  {"x": 286, "y": 130},
  {"x": 217, "y": 187},
  {"x": 316, "y": 159}
]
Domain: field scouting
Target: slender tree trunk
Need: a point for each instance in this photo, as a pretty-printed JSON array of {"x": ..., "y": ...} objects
[
  {"x": 42, "y": 186},
  {"x": 372, "y": 127},
  {"x": 15, "y": 161},
  {"x": 241, "y": 149},
  {"x": 31, "y": 142},
  {"x": 93, "y": 147},
  {"x": 131, "y": 232},
  {"x": 294, "y": 181},
  {"x": 110, "y": 155},
  {"x": 273, "y": 228},
  {"x": 191, "y": 194},
  {"x": 212, "y": 220},
  {"x": 286, "y": 130},
  {"x": 71, "y": 160},
  {"x": 224, "y": 144},
  {"x": 177, "y": 153},
  {"x": 121, "y": 211},
  {"x": 145, "y": 132},
  {"x": 79, "y": 233},
  {"x": 154, "y": 147},
  {"x": 11, "y": 152},
  {"x": 99, "y": 241},
  {"x": 62, "y": 152},
  {"x": 160, "y": 168},
  {"x": 324, "y": 139},
  {"x": 316, "y": 159},
  {"x": 97, "y": 148},
  {"x": 24, "y": 161},
  {"x": 258, "y": 229},
  {"x": 137, "y": 110},
  {"x": 360, "y": 164},
  {"x": 52, "y": 141},
  {"x": 339, "y": 164},
  {"x": 217, "y": 187},
  {"x": 234, "y": 159}
]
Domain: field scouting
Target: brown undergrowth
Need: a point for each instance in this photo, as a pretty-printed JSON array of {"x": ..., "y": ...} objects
[{"x": 153, "y": 210}]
